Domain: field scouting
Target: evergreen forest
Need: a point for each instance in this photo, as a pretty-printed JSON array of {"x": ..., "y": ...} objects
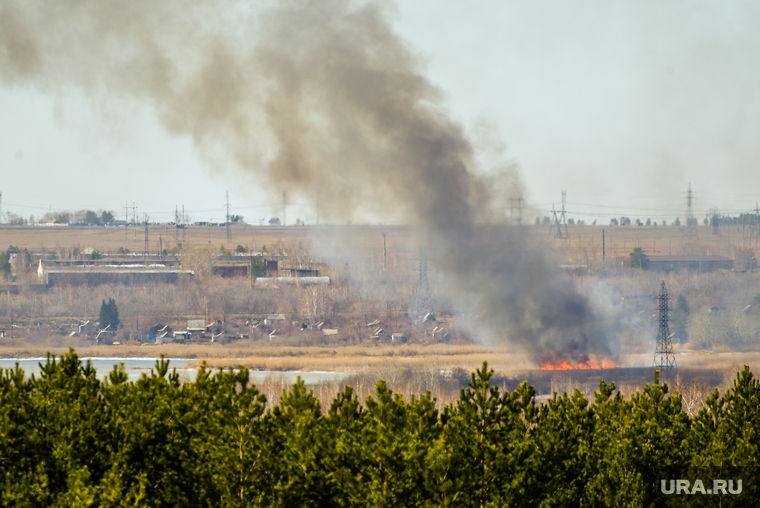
[{"x": 69, "y": 439}]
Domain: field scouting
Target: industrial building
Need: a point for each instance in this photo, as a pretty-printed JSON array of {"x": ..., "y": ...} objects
[{"x": 78, "y": 277}]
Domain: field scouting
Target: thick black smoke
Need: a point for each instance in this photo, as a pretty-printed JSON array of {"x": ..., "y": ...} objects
[{"x": 321, "y": 98}]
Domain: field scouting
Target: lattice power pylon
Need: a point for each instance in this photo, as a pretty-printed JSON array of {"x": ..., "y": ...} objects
[{"x": 664, "y": 358}]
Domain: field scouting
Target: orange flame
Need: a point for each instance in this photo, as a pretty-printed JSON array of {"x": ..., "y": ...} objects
[{"x": 584, "y": 364}]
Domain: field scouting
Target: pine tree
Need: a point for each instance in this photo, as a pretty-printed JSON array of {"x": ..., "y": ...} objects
[
  {"x": 109, "y": 314},
  {"x": 5, "y": 266},
  {"x": 680, "y": 319},
  {"x": 639, "y": 259}
]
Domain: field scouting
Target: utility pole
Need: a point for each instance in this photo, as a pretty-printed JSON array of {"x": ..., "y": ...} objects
[
  {"x": 1, "y": 207},
  {"x": 664, "y": 358},
  {"x": 147, "y": 244},
  {"x": 604, "y": 248},
  {"x": 229, "y": 233},
  {"x": 554, "y": 221},
  {"x": 134, "y": 218}
]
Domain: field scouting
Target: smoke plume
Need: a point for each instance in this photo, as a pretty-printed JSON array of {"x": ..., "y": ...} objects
[{"x": 322, "y": 98}]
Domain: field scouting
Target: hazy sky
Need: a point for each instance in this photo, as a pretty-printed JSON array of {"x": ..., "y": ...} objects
[{"x": 621, "y": 104}]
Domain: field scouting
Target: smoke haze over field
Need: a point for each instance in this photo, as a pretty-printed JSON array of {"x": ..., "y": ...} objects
[{"x": 324, "y": 100}]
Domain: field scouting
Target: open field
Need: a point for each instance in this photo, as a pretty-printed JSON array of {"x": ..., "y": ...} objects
[
  {"x": 363, "y": 358},
  {"x": 583, "y": 241},
  {"x": 352, "y": 239}
]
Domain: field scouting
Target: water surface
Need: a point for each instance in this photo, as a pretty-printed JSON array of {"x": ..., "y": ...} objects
[{"x": 136, "y": 367}]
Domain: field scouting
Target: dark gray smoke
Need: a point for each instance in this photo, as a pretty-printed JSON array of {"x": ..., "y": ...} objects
[{"x": 319, "y": 98}]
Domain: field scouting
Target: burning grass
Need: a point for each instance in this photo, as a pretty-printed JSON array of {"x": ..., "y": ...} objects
[{"x": 582, "y": 363}]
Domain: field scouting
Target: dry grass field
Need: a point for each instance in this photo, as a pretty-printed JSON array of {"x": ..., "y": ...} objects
[
  {"x": 353, "y": 239},
  {"x": 363, "y": 245},
  {"x": 582, "y": 247},
  {"x": 363, "y": 358}
]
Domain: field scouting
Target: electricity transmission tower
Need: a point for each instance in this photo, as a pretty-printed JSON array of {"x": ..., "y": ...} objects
[
  {"x": 561, "y": 220},
  {"x": 176, "y": 223},
  {"x": 184, "y": 224},
  {"x": 127, "y": 208},
  {"x": 664, "y": 358},
  {"x": 691, "y": 221}
]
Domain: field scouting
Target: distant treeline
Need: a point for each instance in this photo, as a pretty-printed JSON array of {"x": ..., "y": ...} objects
[
  {"x": 79, "y": 217},
  {"x": 68, "y": 439},
  {"x": 744, "y": 219}
]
